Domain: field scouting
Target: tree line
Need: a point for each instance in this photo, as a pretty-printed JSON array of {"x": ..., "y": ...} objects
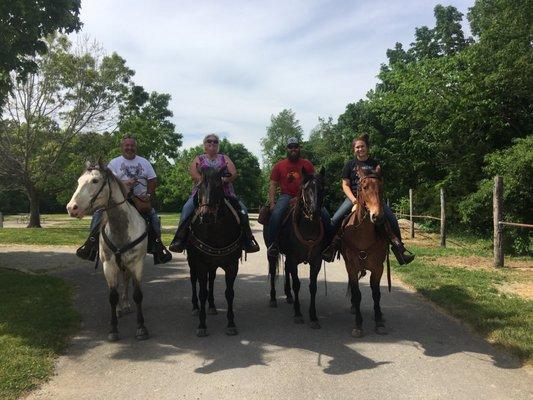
[{"x": 448, "y": 111}]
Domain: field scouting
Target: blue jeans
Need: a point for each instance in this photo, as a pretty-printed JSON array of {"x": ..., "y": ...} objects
[
  {"x": 346, "y": 207},
  {"x": 154, "y": 219},
  {"x": 274, "y": 224}
]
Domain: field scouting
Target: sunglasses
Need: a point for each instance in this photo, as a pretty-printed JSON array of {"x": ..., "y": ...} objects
[
  {"x": 210, "y": 141},
  {"x": 293, "y": 146}
]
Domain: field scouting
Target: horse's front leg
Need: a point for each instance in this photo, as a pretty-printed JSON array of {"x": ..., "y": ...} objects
[
  {"x": 293, "y": 270},
  {"x": 272, "y": 264},
  {"x": 288, "y": 291},
  {"x": 231, "y": 274},
  {"x": 142, "y": 332},
  {"x": 202, "y": 327},
  {"x": 375, "y": 278},
  {"x": 314, "y": 269},
  {"x": 357, "y": 331},
  {"x": 124, "y": 306},
  {"x": 111, "y": 273},
  {"x": 194, "y": 299},
  {"x": 212, "y": 310}
]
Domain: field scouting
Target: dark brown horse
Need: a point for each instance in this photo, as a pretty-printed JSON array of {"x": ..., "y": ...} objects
[
  {"x": 215, "y": 240},
  {"x": 364, "y": 247},
  {"x": 302, "y": 240}
]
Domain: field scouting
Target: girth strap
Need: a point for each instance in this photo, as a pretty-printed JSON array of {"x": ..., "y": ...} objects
[{"x": 119, "y": 251}]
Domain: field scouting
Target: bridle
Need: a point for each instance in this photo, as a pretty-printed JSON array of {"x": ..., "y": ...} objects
[
  {"x": 107, "y": 182},
  {"x": 360, "y": 200}
]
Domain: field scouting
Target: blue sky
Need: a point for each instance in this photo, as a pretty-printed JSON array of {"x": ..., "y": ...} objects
[{"x": 230, "y": 65}]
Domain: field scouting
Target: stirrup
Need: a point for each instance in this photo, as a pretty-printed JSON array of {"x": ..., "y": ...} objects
[
  {"x": 177, "y": 246},
  {"x": 253, "y": 247},
  {"x": 330, "y": 252},
  {"x": 89, "y": 249},
  {"x": 399, "y": 253},
  {"x": 161, "y": 254}
]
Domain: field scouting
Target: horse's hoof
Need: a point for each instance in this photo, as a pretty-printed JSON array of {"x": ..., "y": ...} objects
[
  {"x": 142, "y": 333},
  {"x": 273, "y": 303},
  {"x": 231, "y": 330},
  {"x": 352, "y": 310},
  {"x": 202, "y": 332},
  {"x": 195, "y": 312},
  {"x": 112, "y": 336},
  {"x": 212, "y": 311},
  {"x": 289, "y": 300},
  {"x": 298, "y": 320},
  {"x": 357, "y": 333},
  {"x": 315, "y": 325},
  {"x": 380, "y": 330}
]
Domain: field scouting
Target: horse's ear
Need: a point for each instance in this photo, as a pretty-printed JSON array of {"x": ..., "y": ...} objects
[
  {"x": 360, "y": 171},
  {"x": 88, "y": 164},
  {"x": 378, "y": 170},
  {"x": 101, "y": 164},
  {"x": 322, "y": 172},
  {"x": 305, "y": 174}
]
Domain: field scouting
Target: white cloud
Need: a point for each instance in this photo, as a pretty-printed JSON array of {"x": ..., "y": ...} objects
[{"x": 230, "y": 65}]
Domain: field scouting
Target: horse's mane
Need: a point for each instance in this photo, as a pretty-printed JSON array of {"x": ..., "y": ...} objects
[{"x": 117, "y": 181}]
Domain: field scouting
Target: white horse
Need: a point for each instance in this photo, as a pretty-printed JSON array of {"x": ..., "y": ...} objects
[{"x": 123, "y": 240}]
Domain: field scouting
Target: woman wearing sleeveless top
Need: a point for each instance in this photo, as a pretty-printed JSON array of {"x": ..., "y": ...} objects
[{"x": 212, "y": 158}]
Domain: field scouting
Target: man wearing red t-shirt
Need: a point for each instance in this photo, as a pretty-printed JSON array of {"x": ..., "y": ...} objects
[{"x": 287, "y": 175}]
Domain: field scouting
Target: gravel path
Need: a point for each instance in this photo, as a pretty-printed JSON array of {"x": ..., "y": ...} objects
[{"x": 426, "y": 355}]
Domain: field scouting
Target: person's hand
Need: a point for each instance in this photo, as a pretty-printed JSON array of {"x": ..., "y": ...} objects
[
  {"x": 145, "y": 197},
  {"x": 129, "y": 183}
]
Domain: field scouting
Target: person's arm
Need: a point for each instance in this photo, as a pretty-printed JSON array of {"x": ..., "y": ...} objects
[
  {"x": 347, "y": 190},
  {"x": 152, "y": 185},
  {"x": 272, "y": 193},
  {"x": 193, "y": 171},
  {"x": 231, "y": 169}
]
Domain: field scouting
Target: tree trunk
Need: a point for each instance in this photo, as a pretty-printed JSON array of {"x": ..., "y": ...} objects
[{"x": 35, "y": 215}]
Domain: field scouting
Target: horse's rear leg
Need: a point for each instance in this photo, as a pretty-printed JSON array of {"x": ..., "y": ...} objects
[
  {"x": 212, "y": 310},
  {"x": 357, "y": 331},
  {"x": 194, "y": 299},
  {"x": 272, "y": 264},
  {"x": 298, "y": 317},
  {"x": 231, "y": 274},
  {"x": 313, "y": 277},
  {"x": 202, "y": 327},
  {"x": 375, "y": 278},
  {"x": 288, "y": 292}
]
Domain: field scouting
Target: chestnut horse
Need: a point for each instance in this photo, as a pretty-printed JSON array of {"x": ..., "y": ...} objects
[{"x": 364, "y": 247}]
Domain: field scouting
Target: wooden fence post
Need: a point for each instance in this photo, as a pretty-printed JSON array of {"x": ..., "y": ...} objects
[
  {"x": 1, "y": 220},
  {"x": 411, "y": 223},
  {"x": 442, "y": 219},
  {"x": 497, "y": 208}
]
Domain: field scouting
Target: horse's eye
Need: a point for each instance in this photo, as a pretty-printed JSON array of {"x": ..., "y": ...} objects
[{"x": 95, "y": 180}]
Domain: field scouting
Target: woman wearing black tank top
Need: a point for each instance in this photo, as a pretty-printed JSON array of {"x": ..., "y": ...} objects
[{"x": 350, "y": 183}]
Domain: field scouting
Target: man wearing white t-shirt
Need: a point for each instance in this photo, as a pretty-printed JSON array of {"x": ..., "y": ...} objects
[{"x": 139, "y": 176}]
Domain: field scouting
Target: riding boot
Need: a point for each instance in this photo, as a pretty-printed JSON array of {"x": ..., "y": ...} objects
[
  {"x": 180, "y": 238},
  {"x": 403, "y": 255},
  {"x": 89, "y": 249},
  {"x": 332, "y": 250},
  {"x": 160, "y": 252},
  {"x": 250, "y": 244}
]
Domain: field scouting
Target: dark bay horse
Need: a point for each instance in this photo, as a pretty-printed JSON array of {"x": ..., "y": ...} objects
[
  {"x": 215, "y": 240},
  {"x": 302, "y": 240},
  {"x": 364, "y": 247}
]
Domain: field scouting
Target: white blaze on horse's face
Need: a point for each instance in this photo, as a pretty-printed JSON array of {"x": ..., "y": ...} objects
[{"x": 88, "y": 186}]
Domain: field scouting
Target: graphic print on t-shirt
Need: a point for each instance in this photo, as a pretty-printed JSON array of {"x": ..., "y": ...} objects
[
  {"x": 292, "y": 176},
  {"x": 131, "y": 171}
]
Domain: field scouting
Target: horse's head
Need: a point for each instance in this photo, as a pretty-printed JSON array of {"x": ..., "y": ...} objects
[
  {"x": 93, "y": 191},
  {"x": 312, "y": 197},
  {"x": 369, "y": 193},
  {"x": 210, "y": 191}
]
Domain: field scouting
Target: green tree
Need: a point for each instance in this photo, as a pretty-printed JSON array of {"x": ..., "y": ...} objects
[
  {"x": 73, "y": 90},
  {"x": 282, "y": 126},
  {"x": 147, "y": 118},
  {"x": 23, "y": 25}
]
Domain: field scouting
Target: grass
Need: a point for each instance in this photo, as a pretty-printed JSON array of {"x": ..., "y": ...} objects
[
  {"x": 474, "y": 295},
  {"x": 36, "y": 321},
  {"x": 66, "y": 231}
]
